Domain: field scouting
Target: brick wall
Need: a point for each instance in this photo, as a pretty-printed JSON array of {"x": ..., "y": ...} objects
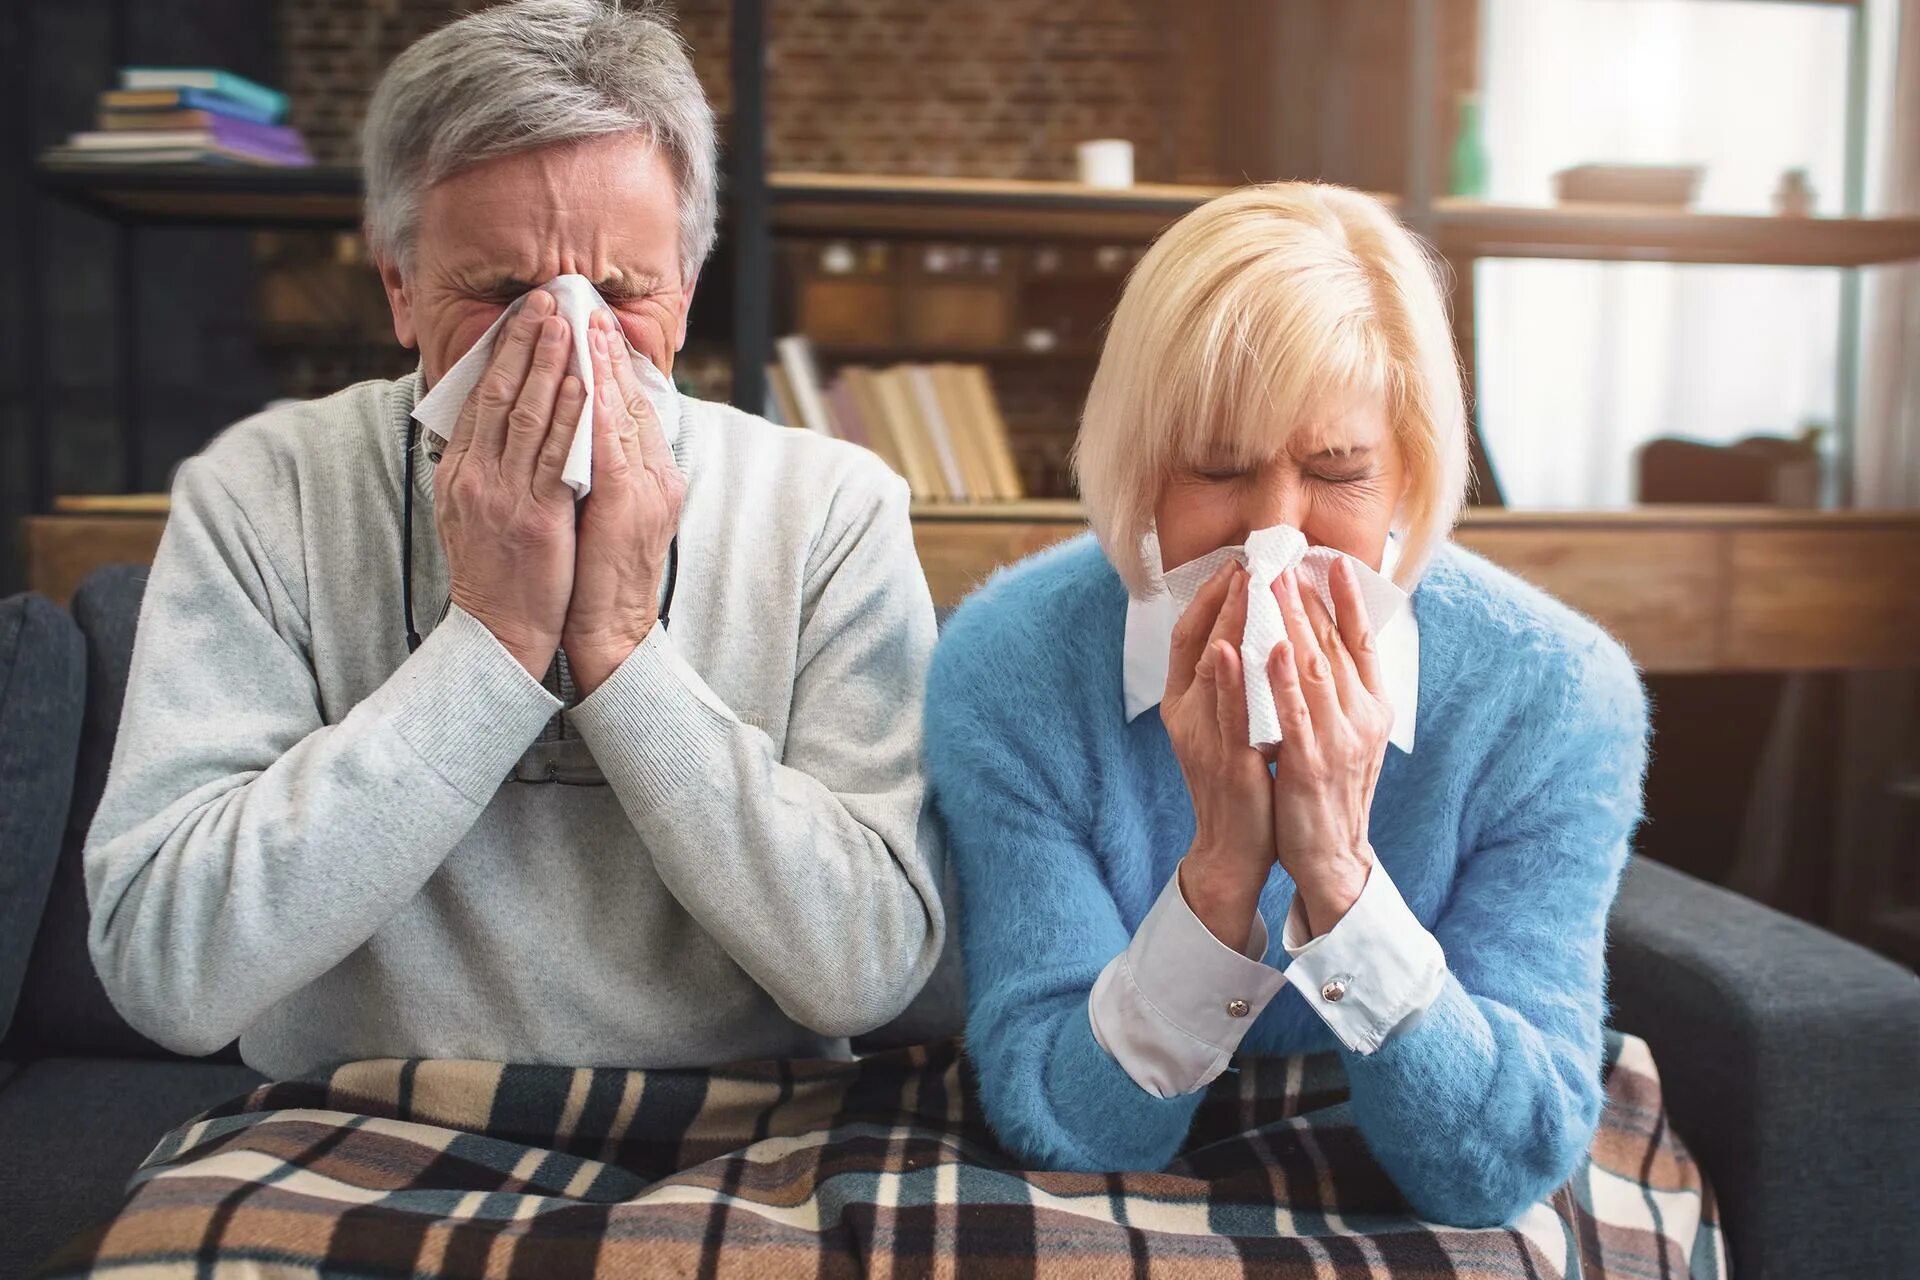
[
  {"x": 967, "y": 87},
  {"x": 989, "y": 88}
]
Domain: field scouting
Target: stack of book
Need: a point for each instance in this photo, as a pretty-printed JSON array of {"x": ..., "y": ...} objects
[
  {"x": 187, "y": 115},
  {"x": 938, "y": 425}
]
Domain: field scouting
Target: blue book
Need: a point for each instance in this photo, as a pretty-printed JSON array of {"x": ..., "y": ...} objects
[{"x": 225, "y": 83}]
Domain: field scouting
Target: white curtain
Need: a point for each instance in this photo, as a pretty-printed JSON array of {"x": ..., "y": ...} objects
[
  {"x": 1882, "y": 709},
  {"x": 1580, "y": 363},
  {"x": 1887, "y": 456}
]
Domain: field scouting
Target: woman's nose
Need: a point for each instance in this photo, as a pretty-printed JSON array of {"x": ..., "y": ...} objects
[{"x": 1277, "y": 502}]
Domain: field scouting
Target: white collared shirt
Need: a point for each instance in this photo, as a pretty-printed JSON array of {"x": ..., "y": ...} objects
[{"x": 1173, "y": 1006}]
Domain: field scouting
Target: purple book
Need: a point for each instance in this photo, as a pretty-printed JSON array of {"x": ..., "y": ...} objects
[
  {"x": 247, "y": 135},
  {"x": 244, "y": 137}
]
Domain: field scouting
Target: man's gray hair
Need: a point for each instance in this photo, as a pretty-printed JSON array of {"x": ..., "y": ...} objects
[{"x": 530, "y": 74}]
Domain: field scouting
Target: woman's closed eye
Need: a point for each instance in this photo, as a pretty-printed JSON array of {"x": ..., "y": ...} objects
[
  {"x": 1222, "y": 475},
  {"x": 1362, "y": 476}
]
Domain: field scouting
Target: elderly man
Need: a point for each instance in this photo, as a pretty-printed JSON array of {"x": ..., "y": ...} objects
[{"x": 569, "y": 827}]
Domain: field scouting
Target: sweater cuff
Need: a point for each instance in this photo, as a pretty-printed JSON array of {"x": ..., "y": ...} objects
[
  {"x": 466, "y": 706},
  {"x": 654, "y": 724}
]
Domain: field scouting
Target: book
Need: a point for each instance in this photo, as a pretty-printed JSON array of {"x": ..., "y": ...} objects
[
  {"x": 916, "y": 443},
  {"x": 140, "y": 121},
  {"x": 140, "y": 101},
  {"x": 225, "y": 83},
  {"x": 780, "y": 405},
  {"x": 882, "y": 434},
  {"x": 164, "y": 155},
  {"x": 948, "y": 440},
  {"x": 969, "y": 435},
  {"x": 1007, "y": 474},
  {"x": 845, "y": 412},
  {"x": 241, "y": 135},
  {"x": 803, "y": 378}
]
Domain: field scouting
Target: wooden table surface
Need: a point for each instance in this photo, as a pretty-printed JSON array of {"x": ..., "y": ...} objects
[{"x": 1687, "y": 589}]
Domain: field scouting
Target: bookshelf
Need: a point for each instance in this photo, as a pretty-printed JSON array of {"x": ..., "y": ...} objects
[
  {"x": 883, "y": 206},
  {"x": 761, "y": 205},
  {"x": 254, "y": 197}
]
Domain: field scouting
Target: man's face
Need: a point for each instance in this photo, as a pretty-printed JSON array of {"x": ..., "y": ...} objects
[{"x": 604, "y": 208}]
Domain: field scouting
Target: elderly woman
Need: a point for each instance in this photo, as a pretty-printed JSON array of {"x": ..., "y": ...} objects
[
  {"x": 1148, "y": 884},
  {"x": 421, "y": 756}
]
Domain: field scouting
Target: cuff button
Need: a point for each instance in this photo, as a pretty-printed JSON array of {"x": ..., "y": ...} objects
[
  {"x": 1336, "y": 989},
  {"x": 1238, "y": 1008}
]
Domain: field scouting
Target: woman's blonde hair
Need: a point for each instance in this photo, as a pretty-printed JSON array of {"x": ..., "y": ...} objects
[{"x": 1248, "y": 317}]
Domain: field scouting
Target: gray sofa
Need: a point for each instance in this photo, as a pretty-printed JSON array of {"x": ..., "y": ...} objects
[{"x": 1790, "y": 1057}]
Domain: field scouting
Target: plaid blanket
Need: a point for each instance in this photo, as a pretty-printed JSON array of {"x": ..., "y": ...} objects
[{"x": 883, "y": 1166}]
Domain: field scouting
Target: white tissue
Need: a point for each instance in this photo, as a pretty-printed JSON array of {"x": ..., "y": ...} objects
[
  {"x": 1267, "y": 554},
  {"x": 440, "y": 408}
]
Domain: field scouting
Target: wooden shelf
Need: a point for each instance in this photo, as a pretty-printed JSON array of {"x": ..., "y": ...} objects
[
  {"x": 112, "y": 504},
  {"x": 1687, "y": 589},
  {"x": 1643, "y": 518},
  {"x": 893, "y": 352},
  {"x": 212, "y": 195},
  {"x": 1070, "y": 511},
  {"x": 859, "y": 204},
  {"x": 883, "y": 205},
  {"x": 1466, "y": 229},
  {"x": 1035, "y": 510},
  {"x": 854, "y": 204}
]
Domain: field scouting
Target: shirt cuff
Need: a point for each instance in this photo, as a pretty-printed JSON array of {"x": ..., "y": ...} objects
[
  {"x": 1172, "y": 1007},
  {"x": 653, "y": 723},
  {"x": 1374, "y": 972}
]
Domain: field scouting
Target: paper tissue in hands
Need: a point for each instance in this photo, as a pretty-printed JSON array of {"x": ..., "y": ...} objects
[
  {"x": 577, "y": 300},
  {"x": 1268, "y": 553}
]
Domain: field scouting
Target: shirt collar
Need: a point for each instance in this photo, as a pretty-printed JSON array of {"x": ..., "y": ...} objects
[{"x": 1148, "y": 645}]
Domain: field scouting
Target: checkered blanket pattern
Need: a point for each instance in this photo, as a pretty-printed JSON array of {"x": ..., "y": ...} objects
[{"x": 878, "y": 1167}]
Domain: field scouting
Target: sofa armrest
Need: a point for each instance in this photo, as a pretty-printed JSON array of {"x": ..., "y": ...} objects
[{"x": 1789, "y": 1059}]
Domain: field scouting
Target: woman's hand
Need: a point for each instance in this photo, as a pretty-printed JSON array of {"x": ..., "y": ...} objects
[
  {"x": 1334, "y": 722},
  {"x": 1205, "y": 711}
]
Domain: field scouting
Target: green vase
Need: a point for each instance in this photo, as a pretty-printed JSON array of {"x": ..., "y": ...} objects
[{"x": 1469, "y": 169}]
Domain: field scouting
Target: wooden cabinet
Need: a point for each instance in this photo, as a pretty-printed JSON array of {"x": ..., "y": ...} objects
[{"x": 1686, "y": 589}]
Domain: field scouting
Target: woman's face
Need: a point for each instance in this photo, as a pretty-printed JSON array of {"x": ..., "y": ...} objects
[{"x": 1338, "y": 481}]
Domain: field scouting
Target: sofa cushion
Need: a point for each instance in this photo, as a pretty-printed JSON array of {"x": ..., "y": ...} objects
[
  {"x": 63, "y": 1007},
  {"x": 42, "y": 694},
  {"x": 74, "y": 1130}
]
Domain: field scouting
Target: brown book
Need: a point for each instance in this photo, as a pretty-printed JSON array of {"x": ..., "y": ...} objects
[
  {"x": 121, "y": 120},
  {"x": 968, "y": 437},
  {"x": 866, "y": 400},
  {"x": 780, "y": 397},
  {"x": 923, "y": 471},
  {"x": 803, "y": 380},
  {"x": 947, "y": 448},
  {"x": 847, "y": 422},
  {"x": 1006, "y": 472}
]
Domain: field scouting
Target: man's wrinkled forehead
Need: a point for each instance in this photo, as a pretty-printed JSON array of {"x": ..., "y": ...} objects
[{"x": 606, "y": 211}]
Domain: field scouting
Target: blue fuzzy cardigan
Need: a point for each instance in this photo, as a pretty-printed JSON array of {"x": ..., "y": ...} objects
[{"x": 1505, "y": 830}]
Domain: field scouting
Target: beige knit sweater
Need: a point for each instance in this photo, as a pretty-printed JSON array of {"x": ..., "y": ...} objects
[{"x": 334, "y": 850}]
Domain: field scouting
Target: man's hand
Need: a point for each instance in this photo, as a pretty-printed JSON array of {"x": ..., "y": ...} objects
[
  {"x": 504, "y": 514},
  {"x": 626, "y": 522}
]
